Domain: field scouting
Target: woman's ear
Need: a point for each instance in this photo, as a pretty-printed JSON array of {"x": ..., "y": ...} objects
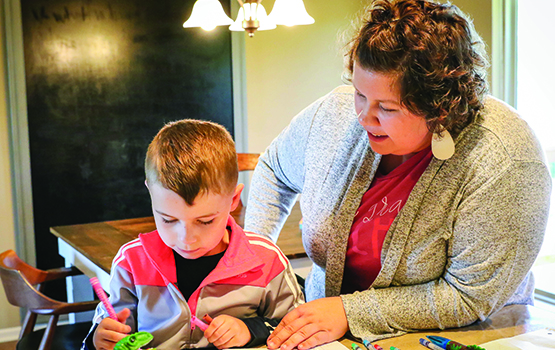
[{"x": 237, "y": 196}]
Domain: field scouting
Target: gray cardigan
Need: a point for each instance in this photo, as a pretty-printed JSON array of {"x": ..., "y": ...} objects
[{"x": 460, "y": 248}]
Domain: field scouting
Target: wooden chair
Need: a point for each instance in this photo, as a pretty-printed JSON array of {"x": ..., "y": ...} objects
[
  {"x": 245, "y": 162},
  {"x": 23, "y": 285}
]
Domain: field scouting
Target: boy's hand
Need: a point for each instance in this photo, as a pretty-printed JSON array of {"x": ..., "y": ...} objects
[
  {"x": 227, "y": 331},
  {"x": 109, "y": 331}
]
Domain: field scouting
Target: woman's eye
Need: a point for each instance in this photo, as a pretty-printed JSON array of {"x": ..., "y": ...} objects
[
  {"x": 387, "y": 109},
  {"x": 206, "y": 222}
]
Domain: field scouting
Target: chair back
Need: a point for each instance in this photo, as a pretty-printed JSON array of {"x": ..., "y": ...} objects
[
  {"x": 19, "y": 280},
  {"x": 247, "y": 161},
  {"x": 22, "y": 284}
]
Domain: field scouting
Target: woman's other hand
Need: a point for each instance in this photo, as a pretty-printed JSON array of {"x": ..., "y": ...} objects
[
  {"x": 314, "y": 323},
  {"x": 227, "y": 332}
]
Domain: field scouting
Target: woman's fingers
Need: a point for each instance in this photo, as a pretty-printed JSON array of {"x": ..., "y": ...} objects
[
  {"x": 316, "y": 322},
  {"x": 298, "y": 337},
  {"x": 294, "y": 326}
]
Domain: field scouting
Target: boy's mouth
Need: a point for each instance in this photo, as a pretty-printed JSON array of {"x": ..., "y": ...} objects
[{"x": 185, "y": 251}]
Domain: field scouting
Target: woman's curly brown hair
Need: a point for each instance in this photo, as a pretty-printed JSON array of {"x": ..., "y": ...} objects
[{"x": 435, "y": 53}]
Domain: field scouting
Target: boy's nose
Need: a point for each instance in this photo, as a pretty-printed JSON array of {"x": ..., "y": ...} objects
[{"x": 186, "y": 236}]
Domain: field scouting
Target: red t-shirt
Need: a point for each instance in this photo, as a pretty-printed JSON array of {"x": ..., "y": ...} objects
[{"x": 378, "y": 208}]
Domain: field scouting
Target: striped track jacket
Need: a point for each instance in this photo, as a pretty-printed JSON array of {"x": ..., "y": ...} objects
[{"x": 253, "y": 278}]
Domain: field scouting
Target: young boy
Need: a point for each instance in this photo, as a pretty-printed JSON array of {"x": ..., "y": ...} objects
[{"x": 199, "y": 261}]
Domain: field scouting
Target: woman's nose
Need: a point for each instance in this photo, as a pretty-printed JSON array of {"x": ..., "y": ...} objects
[
  {"x": 359, "y": 116},
  {"x": 367, "y": 118}
]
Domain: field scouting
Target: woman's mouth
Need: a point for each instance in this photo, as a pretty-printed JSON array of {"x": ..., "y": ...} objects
[{"x": 376, "y": 137}]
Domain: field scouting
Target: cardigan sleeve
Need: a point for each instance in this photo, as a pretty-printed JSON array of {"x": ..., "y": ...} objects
[{"x": 497, "y": 233}]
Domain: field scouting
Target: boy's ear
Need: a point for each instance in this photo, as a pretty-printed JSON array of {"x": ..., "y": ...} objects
[{"x": 237, "y": 196}]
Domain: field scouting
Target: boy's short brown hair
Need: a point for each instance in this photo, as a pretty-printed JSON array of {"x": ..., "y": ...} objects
[{"x": 192, "y": 157}]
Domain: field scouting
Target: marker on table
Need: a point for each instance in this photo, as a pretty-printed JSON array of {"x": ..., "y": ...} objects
[
  {"x": 103, "y": 298},
  {"x": 394, "y": 348},
  {"x": 369, "y": 346},
  {"x": 449, "y": 344},
  {"x": 196, "y": 322},
  {"x": 355, "y": 347},
  {"x": 429, "y": 344}
]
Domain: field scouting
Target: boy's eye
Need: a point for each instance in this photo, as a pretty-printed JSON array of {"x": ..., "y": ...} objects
[
  {"x": 360, "y": 95},
  {"x": 166, "y": 221},
  {"x": 206, "y": 222}
]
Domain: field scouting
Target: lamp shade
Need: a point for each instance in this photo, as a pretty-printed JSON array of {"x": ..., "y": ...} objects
[
  {"x": 245, "y": 13},
  {"x": 290, "y": 13},
  {"x": 207, "y": 14}
]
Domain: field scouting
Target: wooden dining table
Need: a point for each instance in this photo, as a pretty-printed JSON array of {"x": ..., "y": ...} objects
[
  {"x": 510, "y": 321},
  {"x": 91, "y": 248}
]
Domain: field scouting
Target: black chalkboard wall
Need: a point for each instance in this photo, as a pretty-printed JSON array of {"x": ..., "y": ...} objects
[{"x": 102, "y": 78}]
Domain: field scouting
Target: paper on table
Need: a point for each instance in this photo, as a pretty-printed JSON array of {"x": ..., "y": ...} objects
[
  {"x": 334, "y": 345},
  {"x": 538, "y": 340}
]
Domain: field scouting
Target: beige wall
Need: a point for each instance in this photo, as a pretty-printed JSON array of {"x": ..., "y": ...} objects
[
  {"x": 481, "y": 14},
  {"x": 289, "y": 68},
  {"x": 7, "y": 233}
]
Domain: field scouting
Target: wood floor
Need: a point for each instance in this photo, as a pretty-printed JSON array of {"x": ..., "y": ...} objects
[{"x": 8, "y": 346}]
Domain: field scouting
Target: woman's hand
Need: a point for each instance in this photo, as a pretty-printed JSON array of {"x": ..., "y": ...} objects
[
  {"x": 314, "y": 323},
  {"x": 227, "y": 331},
  {"x": 109, "y": 331}
]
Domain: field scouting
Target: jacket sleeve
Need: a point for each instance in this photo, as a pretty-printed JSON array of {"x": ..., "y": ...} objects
[
  {"x": 260, "y": 329},
  {"x": 281, "y": 295},
  {"x": 122, "y": 295},
  {"x": 496, "y": 235},
  {"x": 279, "y": 176}
]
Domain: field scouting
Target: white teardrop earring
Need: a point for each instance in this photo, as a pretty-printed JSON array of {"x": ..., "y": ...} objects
[{"x": 443, "y": 146}]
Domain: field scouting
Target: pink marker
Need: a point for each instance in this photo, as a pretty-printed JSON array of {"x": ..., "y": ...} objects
[
  {"x": 196, "y": 322},
  {"x": 103, "y": 298}
]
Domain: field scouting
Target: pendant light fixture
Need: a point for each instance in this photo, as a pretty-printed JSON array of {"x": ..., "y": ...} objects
[
  {"x": 290, "y": 13},
  {"x": 207, "y": 14},
  {"x": 251, "y": 17}
]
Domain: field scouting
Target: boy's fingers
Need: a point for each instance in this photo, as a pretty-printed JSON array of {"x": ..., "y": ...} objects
[
  {"x": 115, "y": 326},
  {"x": 114, "y": 337},
  {"x": 123, "y": 315}
]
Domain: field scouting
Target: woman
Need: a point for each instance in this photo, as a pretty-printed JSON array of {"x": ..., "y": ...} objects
[{"x": 424, "y": 201}]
